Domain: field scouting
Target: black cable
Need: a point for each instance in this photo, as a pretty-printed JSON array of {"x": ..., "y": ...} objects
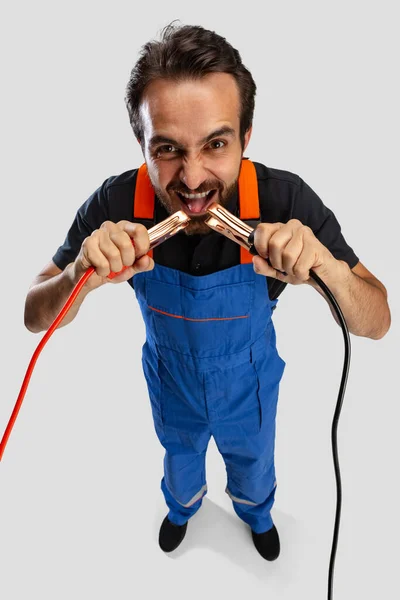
[{"x": 339, "y": 403}]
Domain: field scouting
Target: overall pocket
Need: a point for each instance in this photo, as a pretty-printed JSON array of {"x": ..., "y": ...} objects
[
  {"x": 201, "y": 322},
  {"x": 269, "y": 368},
  {"x": 234, "y": 403}
]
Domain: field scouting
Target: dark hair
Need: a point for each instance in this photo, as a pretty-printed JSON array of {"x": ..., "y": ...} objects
[{"x": 188, "y": 52}]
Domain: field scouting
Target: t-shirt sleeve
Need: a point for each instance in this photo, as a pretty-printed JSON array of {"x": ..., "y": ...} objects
[
  {"x": 88, "y": 218},
  {"x": 311, "y": 211}
]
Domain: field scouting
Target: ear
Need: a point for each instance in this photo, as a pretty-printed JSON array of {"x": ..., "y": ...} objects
[{"x": 247, "y": 137}]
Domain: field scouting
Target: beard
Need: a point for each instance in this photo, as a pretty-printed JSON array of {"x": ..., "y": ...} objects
[{"x": 171, "y": 202}]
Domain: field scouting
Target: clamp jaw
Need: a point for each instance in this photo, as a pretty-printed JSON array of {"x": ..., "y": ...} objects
[{"x": 224, "y": 222}]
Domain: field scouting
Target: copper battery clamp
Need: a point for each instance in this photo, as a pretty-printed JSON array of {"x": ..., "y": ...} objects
[
  {"x": 232, "y": 227},
  {"x": 167, "y": 228},
  {"x": 224, "y": 222}
]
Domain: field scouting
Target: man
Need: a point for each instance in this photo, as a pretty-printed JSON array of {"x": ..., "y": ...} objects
[{"x": 210, "y": 357}]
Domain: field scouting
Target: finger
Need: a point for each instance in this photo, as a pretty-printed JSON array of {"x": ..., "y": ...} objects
[
  {"x": 138, "y": 233},
  {"x": 110, "y": 226},
  {"x": 92, "y": 255},
  {"x": 125, "y": 246},
  {"x": 279, "y": 241},
  {"x": 301, "y": 269},
  {"x": 110, "y": 251},
  {"x": 262, "y": 235},
  {"x": 262, "y": 267},
  {"x": 292, "y": 252},
  {"x": 144, "y": 263},
  {"x": 116, "y": 236}
]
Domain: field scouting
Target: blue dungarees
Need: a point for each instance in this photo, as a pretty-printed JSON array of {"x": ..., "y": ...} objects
[{"x": 212, "y": 369}]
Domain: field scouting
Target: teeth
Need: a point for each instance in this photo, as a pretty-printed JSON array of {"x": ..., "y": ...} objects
[{"x": 194, "y": 196}]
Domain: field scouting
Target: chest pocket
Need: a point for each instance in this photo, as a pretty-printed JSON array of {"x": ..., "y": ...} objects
[{"x": 201, "y": 322}]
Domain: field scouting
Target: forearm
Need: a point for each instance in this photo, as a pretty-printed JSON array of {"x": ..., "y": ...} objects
[
  {"x": 46, "y": 298},
  {"x": 364, "y": 305}
]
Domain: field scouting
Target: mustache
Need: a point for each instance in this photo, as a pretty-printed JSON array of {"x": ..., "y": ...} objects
[{"x": 204, "y": 187}]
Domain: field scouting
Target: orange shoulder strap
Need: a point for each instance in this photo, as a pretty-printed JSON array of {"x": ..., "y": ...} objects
[
  {"x": 249, "y": 207},
  {"x": 143, "y": 202}
]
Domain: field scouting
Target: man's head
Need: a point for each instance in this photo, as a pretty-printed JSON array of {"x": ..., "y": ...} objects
[{"x": 191, "y": 102}]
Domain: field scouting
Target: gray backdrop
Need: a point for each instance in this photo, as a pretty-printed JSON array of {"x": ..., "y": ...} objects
[{"x": 80, "y": 505}]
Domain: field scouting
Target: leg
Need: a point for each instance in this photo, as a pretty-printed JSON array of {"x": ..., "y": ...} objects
[
  {"x": 251, "y": 485},
  {"x": 244, "y": 430},
  {"x": 252, "y": 490},
  {"x": 181, "y": 425},
  {"x": 251, "y": 478},
  {"x": 184, "y": 481}
]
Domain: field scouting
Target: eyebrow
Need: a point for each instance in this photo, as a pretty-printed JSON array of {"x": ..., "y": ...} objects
[{"x": 222, "y": 131}]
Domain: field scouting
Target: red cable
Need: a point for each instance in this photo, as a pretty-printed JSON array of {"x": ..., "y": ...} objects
[{"x": 38, "y": 350}]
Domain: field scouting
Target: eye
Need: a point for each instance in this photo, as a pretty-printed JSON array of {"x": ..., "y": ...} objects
[
  {"x": 166, "y": 149},
  {"x": 217, "y": 144}
]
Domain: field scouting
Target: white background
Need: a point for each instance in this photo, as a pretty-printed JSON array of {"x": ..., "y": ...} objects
[{"x": 80, "y": 505}]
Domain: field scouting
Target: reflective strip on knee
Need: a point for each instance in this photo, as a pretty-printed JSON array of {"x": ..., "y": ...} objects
[
  {"x": 196, "y": 497},
  {"x": 241, "y": 500}
]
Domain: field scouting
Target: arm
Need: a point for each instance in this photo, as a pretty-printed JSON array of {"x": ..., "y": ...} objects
[
  {"x": 363, "y": 300},
  {"x": 293, "y": 248},
  {"x": 48, "y": 294}
]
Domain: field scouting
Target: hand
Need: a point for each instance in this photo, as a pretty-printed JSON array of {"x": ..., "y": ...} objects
[
  {"x": 109, "y": 249},
  {"x": 290, "y": 247}
]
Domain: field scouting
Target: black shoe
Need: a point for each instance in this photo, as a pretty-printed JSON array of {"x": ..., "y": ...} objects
[
  {"x": 267, "y": 543},
  {"x": 171, "y": 535}
]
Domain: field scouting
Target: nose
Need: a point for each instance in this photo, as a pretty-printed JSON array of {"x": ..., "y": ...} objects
[{"x": 192, "y": 174}]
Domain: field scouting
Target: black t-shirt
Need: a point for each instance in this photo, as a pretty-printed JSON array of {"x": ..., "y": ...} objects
[{"x": 282, "y": 196}]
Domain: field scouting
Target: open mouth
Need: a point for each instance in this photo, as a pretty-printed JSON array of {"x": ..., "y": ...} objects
[{"x": 197, "y": 204}]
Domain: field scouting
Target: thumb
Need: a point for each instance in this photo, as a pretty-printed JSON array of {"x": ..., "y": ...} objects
[{"x": 263, "y": 267}]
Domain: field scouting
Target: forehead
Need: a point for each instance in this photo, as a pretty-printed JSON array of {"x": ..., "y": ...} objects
[{"x": 190, "y": 109}]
